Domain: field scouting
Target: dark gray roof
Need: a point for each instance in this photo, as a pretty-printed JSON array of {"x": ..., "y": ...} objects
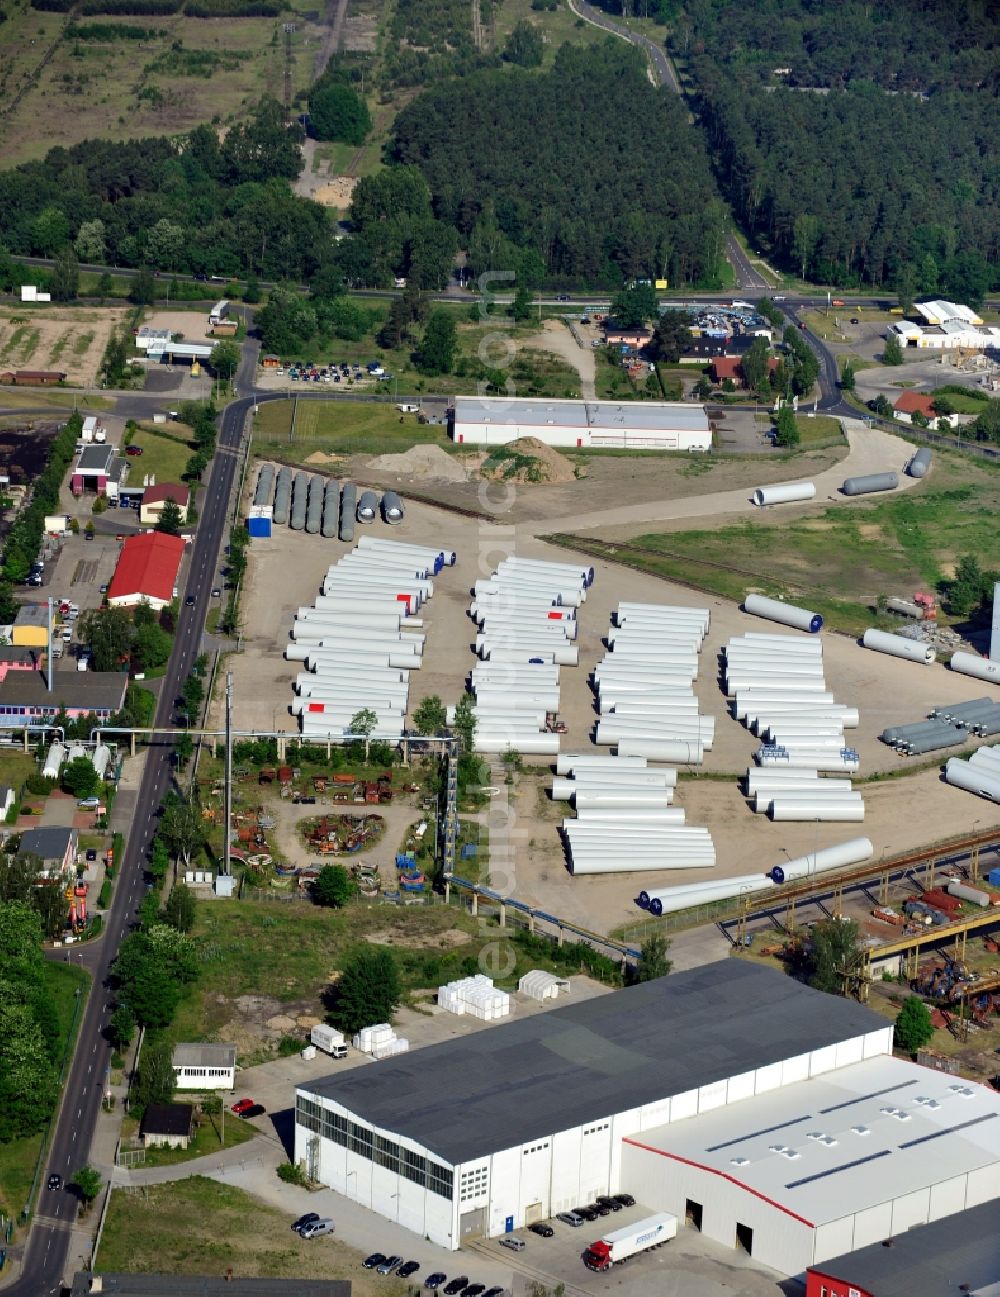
[
  {"x": 49, "y": 843},
  {"x": 216, "y": 1285},
  {"x": 32, "y": 614},
  {"x": 204, "y": 1055},
  {"x": 95, "y": 459},
  {"x": 534, "y": 1076},
  {"x": 959, "y": 1252},
  {"x": 167, "y": 1119},
  {"x": 93, "y": 690}
]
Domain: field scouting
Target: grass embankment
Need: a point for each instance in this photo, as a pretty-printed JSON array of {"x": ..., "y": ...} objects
[
  {"x": 339, "y": 428},
  {"x": 19, "y": 1158},
  {"x": 839, "y": 561},
  {"x": 197, "y": 1226}
]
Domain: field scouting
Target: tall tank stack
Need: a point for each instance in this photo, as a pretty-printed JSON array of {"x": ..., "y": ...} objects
[
  {"x": 667, "y": 900},
  {"x": 949, "y": 725},
  {"x": 317, "y": 506},
  {"x": 300, "y": 501},
  {"x": 362, "y": 637},
  {"x": 645, "y": 684},
  {"x": 779, "y": 692},
  {"x": 979, "y": 775},
  {"x": 525, "y": 615},
  {"x": 625, "y": 821}
]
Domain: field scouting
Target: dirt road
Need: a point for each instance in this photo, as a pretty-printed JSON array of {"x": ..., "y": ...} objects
[{"x": 556, "y": 338}]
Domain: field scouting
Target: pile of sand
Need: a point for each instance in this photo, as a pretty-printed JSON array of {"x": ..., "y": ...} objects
[
  {"x": 429, "y": 463},
  {"x": 547, "y": 465},
  {"x": 336, "y": 192}
]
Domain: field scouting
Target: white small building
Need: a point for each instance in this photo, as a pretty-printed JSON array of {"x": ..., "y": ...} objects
[
  {"x": 29, "y": 293},
  {"x": 581, "y": 425},
  {"x": 204, "y": 1067}
]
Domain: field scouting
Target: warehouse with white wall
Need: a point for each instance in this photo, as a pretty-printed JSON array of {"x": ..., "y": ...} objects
[
  {"x": 582, "y": 425},
  {"x": 514, "y": 1123}
]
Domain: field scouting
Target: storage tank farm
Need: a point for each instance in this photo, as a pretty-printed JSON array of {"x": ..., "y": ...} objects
[
  {"x": 361, "y": 638},
  {"x": 526, "y": 627},
  {"x": 625, "y": 818},
  {"x": 319, "y": 505}
]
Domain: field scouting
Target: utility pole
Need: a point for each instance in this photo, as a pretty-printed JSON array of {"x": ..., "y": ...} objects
[{"x": 228, "y": 783}]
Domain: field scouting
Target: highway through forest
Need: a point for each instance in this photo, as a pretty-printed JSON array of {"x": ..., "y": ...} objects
[{"x": 45, "y": 1251}]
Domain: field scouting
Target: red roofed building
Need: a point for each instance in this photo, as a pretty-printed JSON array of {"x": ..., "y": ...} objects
[
  {"x": 911, "y": 403},
  {"x": 731, "y": 367},
  {"x": 155, "y": 497},
  {"x": 147, "y": 571}
]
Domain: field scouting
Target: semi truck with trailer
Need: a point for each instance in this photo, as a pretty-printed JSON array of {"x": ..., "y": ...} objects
[{"x": 620, "y": 1245}]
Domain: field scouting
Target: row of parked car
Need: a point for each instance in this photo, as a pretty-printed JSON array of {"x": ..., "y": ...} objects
[{"x": 603, "y": 1205}]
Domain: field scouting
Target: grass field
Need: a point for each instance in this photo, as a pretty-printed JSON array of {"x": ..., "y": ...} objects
[
  {"x": 839, "y": 561},
  {"x": 818, "y": 430},
  {"x": 205, "y": 1141},
  {"x": 15, "y": 767},
  {"x": 18, "y": 1159},
  {"x": 197, "y": 1226},
  {"x": 557, "y": 26},
  {"x": 162, "y": 456},
  {"x": 126, "y": 89},
  {"x": 339, "y": 428}
]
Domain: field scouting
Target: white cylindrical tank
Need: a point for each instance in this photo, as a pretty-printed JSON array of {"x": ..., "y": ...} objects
[
  {"x": 971, "y": 665},
  {"x": 973, "y": 779},
  {"x": 845, "y": 811},
  {"x": 53, "y": 761},
  {"x": 801, "y": 618},
  {"x": 526, "y": 744},
  {"x": 604, "y": 864},
  {"x": 783, "y": 493},
  {"x": 609, "y": 797},
  {"x": 628, "y": 815},
  {"x": 101, "y": 758},
  {"x": 898, "y": 646},
  {"x": 569, "y": 762},
  {"x": 680, "y": 752}
]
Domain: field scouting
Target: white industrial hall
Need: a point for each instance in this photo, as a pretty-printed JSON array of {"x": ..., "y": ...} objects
[
  {"x": 611, "y": 425},
  {"x": 674, "y": 1091}
]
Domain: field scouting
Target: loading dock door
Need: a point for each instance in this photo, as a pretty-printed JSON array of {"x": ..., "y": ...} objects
[
  {"x": 472, "y": 1224},
  {"x": 533, "y": 1212}
]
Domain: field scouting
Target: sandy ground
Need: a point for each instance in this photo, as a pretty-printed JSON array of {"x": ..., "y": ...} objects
[
  {"x": 556, "y": 338},
  {"x": 66, "y": 338},
  {"x": 901, "y": 815}
]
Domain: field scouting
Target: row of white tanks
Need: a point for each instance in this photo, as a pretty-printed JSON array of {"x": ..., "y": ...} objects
[
  {"x": 645, "y": 684},
  {"x": 625, "y": 820},
  {"x": 362, "y": 637},
  {"x": 58, "y": 753},
  {"x": 916, "y": 650},
  {"x": 979, "y": 775},
  {"x": 779, "y": 692},
  {"x": 526, "y": 619}
]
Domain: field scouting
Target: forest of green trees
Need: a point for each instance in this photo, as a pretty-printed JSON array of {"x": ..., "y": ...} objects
[
  {"x": 587, "y": 168},
  {"x": 922, "y": 45}
]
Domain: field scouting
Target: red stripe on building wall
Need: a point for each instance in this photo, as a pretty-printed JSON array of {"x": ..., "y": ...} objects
[{"x": 699, "y": 1166}]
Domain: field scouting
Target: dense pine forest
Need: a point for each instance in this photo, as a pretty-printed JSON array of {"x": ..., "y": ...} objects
[
  {"x": 855, "y": 141},
  {"x": 588, "y": 167}
]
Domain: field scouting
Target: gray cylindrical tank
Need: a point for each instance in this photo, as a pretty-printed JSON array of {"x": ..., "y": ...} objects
[
  {"x": 392, "y": 507},
  {"x": 367, "y": 510},
  {"x": 300, "y": 501},
  {"x": 872, "y": 482},
  {"x": 905, "y": 608},
  {"x": 265, "y": 485},
  {"x": 801, "y": 618},
  {"x": 348, "y": 505},
  {"x": 920, "y": 464},
  {"x": 314, "y": 509},
  {"x": 282, "y": 497},
  {"x": 331, "y": 510}
]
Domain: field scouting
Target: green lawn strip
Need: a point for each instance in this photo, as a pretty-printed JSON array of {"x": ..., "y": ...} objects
[
  {"x": 162, "y": 457},
  {"x": 198, "y": 1226},
  {"x": 206, "y": 1139},
  {"x": 340, "y": 428},
  {"x": 19, "y": 1158}
]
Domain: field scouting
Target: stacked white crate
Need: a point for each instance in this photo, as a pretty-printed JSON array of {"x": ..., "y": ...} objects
[{"x": 475, "y": 996}]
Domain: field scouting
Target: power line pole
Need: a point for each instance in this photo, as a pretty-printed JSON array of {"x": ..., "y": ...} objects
[{"x": 228, "y": 783}]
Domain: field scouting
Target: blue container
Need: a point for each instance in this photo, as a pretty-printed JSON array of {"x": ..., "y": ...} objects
[
  {"x": 259, "y": 527},
  {"x": 993, "y": 877}
]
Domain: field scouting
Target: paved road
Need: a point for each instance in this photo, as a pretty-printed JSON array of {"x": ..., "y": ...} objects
[
  {"x": 663, "y": 68},
  {"x": 46, "y": 1249}
]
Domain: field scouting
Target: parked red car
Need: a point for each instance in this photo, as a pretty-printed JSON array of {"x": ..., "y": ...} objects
[
  {"x": 242, "y": 1105},
  {"x": 133, "y": 450}
]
